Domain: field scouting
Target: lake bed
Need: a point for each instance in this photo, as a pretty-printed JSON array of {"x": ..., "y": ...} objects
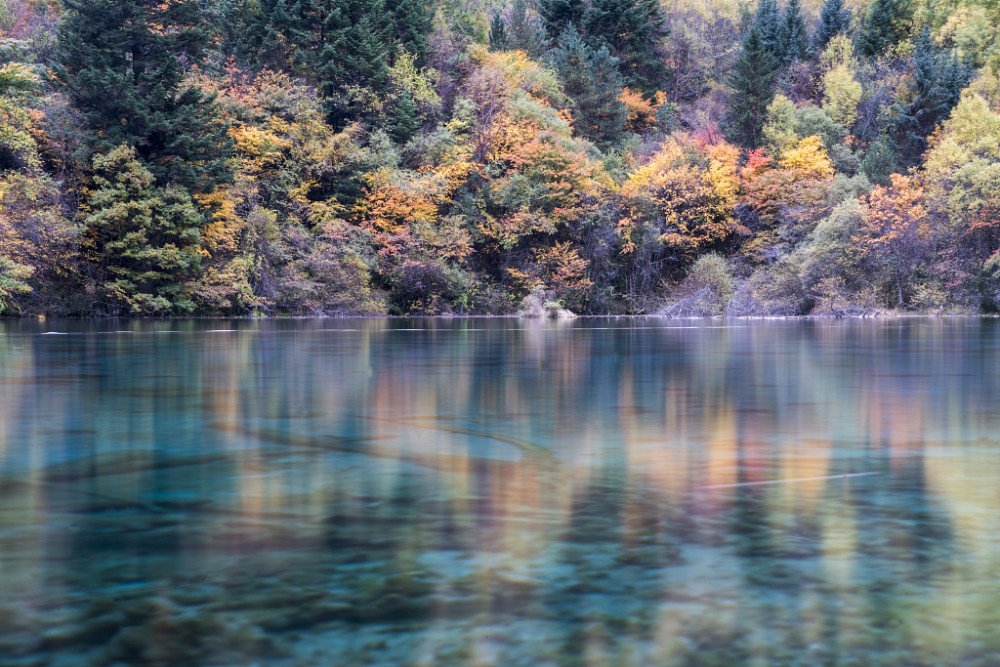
[{"x": 500, "y": 492}]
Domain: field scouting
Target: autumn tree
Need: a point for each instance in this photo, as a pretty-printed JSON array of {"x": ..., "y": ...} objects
[{"x": 896, "y": 232}]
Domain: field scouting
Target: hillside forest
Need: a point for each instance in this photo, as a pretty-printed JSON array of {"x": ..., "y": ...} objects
[{"x": 310, "y": 157}]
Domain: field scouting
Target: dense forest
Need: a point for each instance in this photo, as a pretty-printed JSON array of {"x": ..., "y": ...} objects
[{"x": 255, "y": 157}]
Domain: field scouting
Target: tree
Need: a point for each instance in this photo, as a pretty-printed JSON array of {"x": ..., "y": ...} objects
[
  {"x": 559, "y": 14},
  {"x": 841, "y": 95},
  {"x": 834, "y": 19},
  {"x": 794, "y": 38},
  {"x": 752, "y": 80},
  {"x": 895, "y": 231},
  {"x": 498, "y": 33},
  {"x": 938, "y": 80},
  {"x": 12, "y": 277},
  {"x": 143, "y": 240},
  {"x": 768, "y": 22},
  {"x": 121, "y": 61},
  {"x": 633, "y": 31},
  {"x": 590, "y": 77},
  {"x": 887, "y": 23}
]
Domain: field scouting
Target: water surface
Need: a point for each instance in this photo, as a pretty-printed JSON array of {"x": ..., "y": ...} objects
[{"x": 497, "y": 492}]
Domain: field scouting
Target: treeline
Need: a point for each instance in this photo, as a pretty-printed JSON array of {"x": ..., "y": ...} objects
[{"x": 612, "y": 156}]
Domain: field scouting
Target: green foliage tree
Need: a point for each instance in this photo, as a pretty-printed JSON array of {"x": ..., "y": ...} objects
[
  {"x": 633, "y": 31},
  {"x": 499, "y": 41},
  {"x": 591, "y": 79},
  {"x": 143, "y": 240},
  {"x": 121, "y": 61},
  {"x": 752, "y": 80},
  {"x": 794, "y": 44},
  {"x": 767, "y": 20},
  {"x": 834, "y": 19},
  {"x": 12, "y": 283},
  {"x": 559, "y": 14},
  {"x": 887, "y": 23},
  {"x": 938, "y": 80},
  {"x": 880, "y": 161}
]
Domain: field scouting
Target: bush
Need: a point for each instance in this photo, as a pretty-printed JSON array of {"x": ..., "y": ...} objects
[{"x": 705, "y": 291}]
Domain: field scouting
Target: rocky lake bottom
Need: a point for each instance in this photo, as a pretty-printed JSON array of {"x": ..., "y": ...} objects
[{"x": 434, "y": 504}]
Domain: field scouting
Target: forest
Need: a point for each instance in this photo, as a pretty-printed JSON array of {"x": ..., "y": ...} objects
[{"x": 321, "y": 157}]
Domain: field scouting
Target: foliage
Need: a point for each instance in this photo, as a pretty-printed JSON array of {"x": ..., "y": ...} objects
[
  {"x": 122, "y": 63},
  {"x": 142, "y": 240},
  {"x": 752, "y": 80}
]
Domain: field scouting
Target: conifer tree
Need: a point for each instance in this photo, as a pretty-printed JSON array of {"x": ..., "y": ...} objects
[
  {"x": 938, "y": 80},
  {"x": 752, "y": 80},
  {"x": 525, "y": 30},
  {"x": 498, "y": 33},
  {"x": 590, "y": 77},
  {"x": 142, "y": 240},
  {"x": 559, "y": 14},
  {"x": 794, "y": 38},
  {"x": 121, "y": 63},
  {"x": 411, "y": 23},
  {"x": 768, "y": 22},
  {"x": 405, "y": 121},
  {"x": 833, "y": 20},
  {"x": 887, "y": 23},
  {"x": 633, "y": 31}
]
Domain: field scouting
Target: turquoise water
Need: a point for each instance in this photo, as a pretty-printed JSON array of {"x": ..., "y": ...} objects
[{"x": 496, "y": 492}]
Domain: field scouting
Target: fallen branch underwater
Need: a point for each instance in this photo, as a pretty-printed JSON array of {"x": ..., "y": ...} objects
[{"x": 786, "y": 481}]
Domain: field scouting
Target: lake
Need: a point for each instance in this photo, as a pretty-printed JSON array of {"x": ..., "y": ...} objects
[{"x": 500, "y": 492}]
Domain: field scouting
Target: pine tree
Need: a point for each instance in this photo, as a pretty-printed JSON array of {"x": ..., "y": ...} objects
[
  {"x": 794, "y": 39},
  {"x": 498, "y": 33},
  {"x": 880, "y": 161},
  {"x": 752, "y": 81},
  {"x": 590, "y": 77},
  {"x": 938, "y": 80},
  {"x": 143, "y": 240},
  {"x": 524, "y": 30},
  {"x": 411, "y": 22},
  {"x": 405, "y": 121},
  {"x": 559, "y": 14},
  {"x": 354, "y": 59},
  {"x": 121, "y": 63},
  {"x": 633, "y": 31},
  {"x": 768, "y": 22},
  {"x": 887, "y": 23},
  {"x": 833, "y": 20}
]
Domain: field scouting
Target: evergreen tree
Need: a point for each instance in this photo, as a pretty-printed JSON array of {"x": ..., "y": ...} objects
[
  {"x": 794, "y": 38},
  {"x": 121, "y": 63},
  {"x": 752, "y": 80},
  {"x": 405, "y": 121},
  {"x": 880, "y": 161},
  {"x": 524, "y": 30},
  {"x": 591, "y": 79},
  {"x": 498, "y": 34},
  {"x": 411, "y": 22},
  {"x": 887, "y": 23},
  {"x": 143, "y": 240},
  {"x": 633, "y": 31},
  {"x": 833, "y": 20},
  {"x": 768, "y": 22},
  {"x": 354, "y": 60},
  {"x": 938, "y": 80},
  {"x": 559, "y": 14}
]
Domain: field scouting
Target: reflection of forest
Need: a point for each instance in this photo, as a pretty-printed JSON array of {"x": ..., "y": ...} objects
[{"x": 299, "y": 478}]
